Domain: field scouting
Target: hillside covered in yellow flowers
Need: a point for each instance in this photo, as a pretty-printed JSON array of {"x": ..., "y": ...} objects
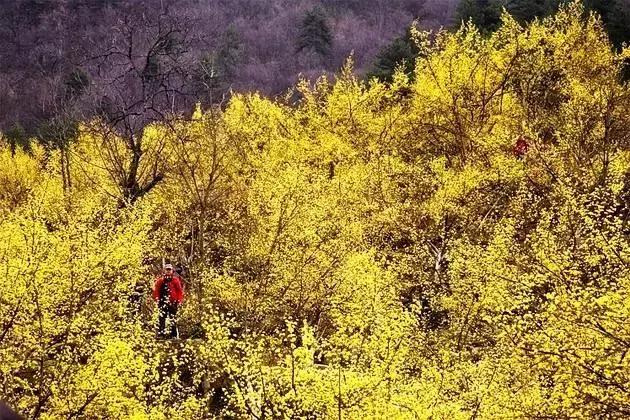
[{"x": 354, "y": 250}]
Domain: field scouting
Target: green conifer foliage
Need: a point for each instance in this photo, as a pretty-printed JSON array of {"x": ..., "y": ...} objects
[
  {"x": 485, "y": 14},
  {"x": 315, "y": 33},
  {"x": 402, "y": 52}
]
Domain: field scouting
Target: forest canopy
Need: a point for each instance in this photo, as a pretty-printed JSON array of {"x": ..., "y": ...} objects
[{"x": 451, "y": 244}]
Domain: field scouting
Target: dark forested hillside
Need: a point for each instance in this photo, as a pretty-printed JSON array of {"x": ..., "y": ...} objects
[
  {"x": 62, "y": 61},
  {"x": 486, "y": 14},
  {"x": 60, "y": 57}
]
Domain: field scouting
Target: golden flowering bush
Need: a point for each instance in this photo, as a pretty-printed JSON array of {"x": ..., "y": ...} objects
[{"x": 366, "y": 250}]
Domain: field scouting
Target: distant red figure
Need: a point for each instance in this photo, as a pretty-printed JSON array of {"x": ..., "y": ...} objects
[
  {"x": 520, "y": 148},
  {"x": 169, "y": 293}
]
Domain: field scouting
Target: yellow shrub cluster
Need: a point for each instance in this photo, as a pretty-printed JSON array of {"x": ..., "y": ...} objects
[{"x": 451, "y": 246}]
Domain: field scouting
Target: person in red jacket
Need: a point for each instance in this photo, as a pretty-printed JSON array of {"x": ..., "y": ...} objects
[
  {"x": 168, "y": 292},
  {"x": 521, "y": 147}
]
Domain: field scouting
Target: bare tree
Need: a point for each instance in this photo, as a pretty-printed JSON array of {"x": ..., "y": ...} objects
[{"x": 142, "y": 78}]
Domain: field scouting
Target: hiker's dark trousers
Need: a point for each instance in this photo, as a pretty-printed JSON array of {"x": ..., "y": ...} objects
[{"x": 167, "y": 311}]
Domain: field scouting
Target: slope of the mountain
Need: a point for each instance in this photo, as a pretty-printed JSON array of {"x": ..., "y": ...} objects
[{"x": 240, "y": 45}]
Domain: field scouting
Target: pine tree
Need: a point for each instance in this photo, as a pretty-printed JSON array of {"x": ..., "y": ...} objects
[
  {"x": 526, "y": 10},
  {"x": 401, "y": 52},
  {"x": 218, "y": 68},
  {"x": 16, "y": 137},
  {"x": 230, "y": 53},
  {"x": 485, "y": 14},
  {"x": 315, "y": 33}
]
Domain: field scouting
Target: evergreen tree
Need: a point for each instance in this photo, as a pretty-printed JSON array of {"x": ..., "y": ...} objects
[
  {"x": 230, "y": 52},
  {"x": 526, "y": 10},
  {"x": 218, "y": 68},
  {"x": 485, "y": 14},
  {"x": 315, "y": 33},
  {"x": 16, "y": 137},
  {"x": 401, "y": 52}
]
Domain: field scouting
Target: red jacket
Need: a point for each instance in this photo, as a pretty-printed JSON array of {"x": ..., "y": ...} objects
[
  {"x": 176, "y": 290},
  {"x": 520, "y": 148}
]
